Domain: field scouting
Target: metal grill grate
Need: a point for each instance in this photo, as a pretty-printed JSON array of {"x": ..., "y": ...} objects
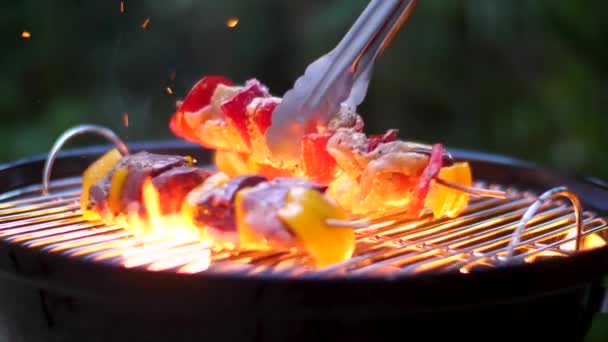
[{"x": 478, "y": 238}]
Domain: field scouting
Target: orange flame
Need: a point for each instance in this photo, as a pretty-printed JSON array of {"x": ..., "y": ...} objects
[
  {"x": 157, "y": 226},
  {"x": 26, "y": 34}
]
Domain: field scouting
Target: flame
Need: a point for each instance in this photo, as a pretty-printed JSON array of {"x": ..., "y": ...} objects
[
  {"x": 26, "y": 34},
  {"x": 546, "y": 253},
  {"x": 171, "y": 228},
  {"x": 145, "y": 24},
  {"x": 588, "y": 242},
  {"x": 232, "y": 22}
]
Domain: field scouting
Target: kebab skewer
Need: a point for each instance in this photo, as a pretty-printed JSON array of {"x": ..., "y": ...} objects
[
  {"x": 364, "y": 173},
  {"x": 248, "y": 211}
]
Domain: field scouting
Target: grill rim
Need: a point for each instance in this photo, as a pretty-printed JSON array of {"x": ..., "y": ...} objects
[
  {"x": 65, "y": 274},
  {"x": 585, "y": 186}
]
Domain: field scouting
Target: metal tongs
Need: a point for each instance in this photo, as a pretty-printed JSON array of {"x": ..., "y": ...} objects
[{"x": 339, "y": 78}]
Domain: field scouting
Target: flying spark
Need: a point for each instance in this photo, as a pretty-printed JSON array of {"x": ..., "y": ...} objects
[
  {"x": 26, "y": 34},
  {"x": 144, "y": 25},
  {"x": 169, "y": 90},
  {"x": 125, "y": 119},
  {"x": 122, "y": 7},
  {"x": 232, "y": 22}
]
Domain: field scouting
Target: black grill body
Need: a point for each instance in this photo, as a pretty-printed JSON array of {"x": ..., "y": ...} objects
[{"x": 48, "y": 297}]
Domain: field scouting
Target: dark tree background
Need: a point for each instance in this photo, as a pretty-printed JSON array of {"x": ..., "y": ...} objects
[{"x": 523, "y": 78}]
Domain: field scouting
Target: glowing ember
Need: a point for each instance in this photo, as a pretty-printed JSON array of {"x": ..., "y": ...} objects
[
  {"x": 232, "y": 22},
  {"x": 588, "y": 242},
  {"x": 543, "y": 254},
  {"x": 26, "y": 34},
  {"x": 125, "y": 119},
  {"x": 122, "y": 7},
  {"x": 169, "y": 90},
  {"x": 145, "y": 24}
]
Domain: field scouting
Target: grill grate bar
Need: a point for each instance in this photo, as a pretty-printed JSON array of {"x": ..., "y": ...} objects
[
  {"x": 97, "y": 242},
  {"x": 54, "y": 217},
  {"x": 34, "y": 192},
  {"x": 38, "y": 212},
  {"x": 477, "y": 238},
  {"x": 39, "y": 225},
  {"x": 49, "y": 199},
  {"x": 158, "y": 257},
  {"x": 600, "y": 225}
]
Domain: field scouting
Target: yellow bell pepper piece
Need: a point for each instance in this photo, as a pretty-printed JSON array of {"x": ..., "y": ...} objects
[
  {"x": 93, "y": 174},
  {"x": 306, "y": 213},
  {"x": 447, "y": 202},
  {"x": 116, "y": 184},
  {"x": 248, "y": 238}
]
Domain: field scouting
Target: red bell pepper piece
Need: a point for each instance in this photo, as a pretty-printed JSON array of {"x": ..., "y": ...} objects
[
  {"x": 429, "y": 173},
  {"x": 318, "y": 165},
  {"x": 262, "y": 116},
  {"x": 377, "y": 139},
  {"x": 198, "y": 97},
  {"x": 235, "y": 109}
]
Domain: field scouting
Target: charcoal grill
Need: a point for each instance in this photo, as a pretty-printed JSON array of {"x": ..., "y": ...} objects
[{"x": 68, "y": 279}]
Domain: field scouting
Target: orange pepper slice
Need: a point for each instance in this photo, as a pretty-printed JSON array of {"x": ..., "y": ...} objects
[{"x": 447, "y": 202}]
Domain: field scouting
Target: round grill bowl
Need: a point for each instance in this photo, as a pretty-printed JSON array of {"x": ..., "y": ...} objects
[{"x": 47, "y": 296}]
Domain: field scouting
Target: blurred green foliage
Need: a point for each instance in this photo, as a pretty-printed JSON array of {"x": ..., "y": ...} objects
[{"x": 523, "y": 78}]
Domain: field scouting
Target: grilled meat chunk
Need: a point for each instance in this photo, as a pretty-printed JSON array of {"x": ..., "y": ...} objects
[
  {"x": 121, "y": 187},
  {"x": 260, "y": 206},
  {"x": 175, "y": 184},
  {"x": 214, "y": 208}
]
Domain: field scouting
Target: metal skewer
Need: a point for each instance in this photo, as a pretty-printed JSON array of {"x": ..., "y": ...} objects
[
  {"x": 470, "y": 190},
  {"x": 70, "y": 134}
]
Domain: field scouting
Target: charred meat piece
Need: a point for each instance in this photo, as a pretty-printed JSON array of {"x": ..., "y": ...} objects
[
  {"x": 215, "y": 208},
  {"x": 122, "y": 185},
  {"x": 175, "y": 184},
  {"x": 261, "y": 204}
]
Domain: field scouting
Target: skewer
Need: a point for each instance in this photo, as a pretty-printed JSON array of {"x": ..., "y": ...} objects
[
  {"x": 473, "y": 191},
  {"x": 71, "y": 133},
  {"x": 122, "y": 147}
]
